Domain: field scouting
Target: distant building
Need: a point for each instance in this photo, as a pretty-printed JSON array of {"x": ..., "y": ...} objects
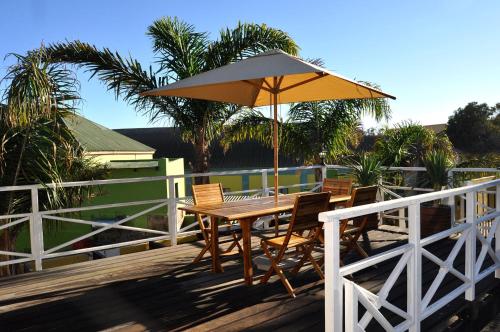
[
  {"x": 168, "y": 143},
  {"x": 437, "y": 128},
  {"x": 125, "y": 157},
  {"x": 104, "y": 144}
]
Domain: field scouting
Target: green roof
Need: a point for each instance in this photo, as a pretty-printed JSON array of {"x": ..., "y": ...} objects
[{"x": 96, "y": 138}]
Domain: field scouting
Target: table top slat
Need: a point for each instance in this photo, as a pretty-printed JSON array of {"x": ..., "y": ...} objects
[{"x": 251, "y": 208}]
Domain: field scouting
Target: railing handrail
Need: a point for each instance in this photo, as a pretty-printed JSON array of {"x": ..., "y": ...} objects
[
  {"x": 150, "y": 178},
  {"x": 218, "y": 173},
  {"x": 422, "y": 169},
  {"x": 357, "y": 211}
]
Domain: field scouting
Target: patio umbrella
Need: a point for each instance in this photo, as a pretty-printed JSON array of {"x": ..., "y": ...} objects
[{"x": 269, "y": 78}]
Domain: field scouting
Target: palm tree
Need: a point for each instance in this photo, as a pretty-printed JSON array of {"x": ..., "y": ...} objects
[
  {"x": 407, "y": 143},
  {"x": 181, "y": 52},
  {"x": 35, "y": 144},
  {"x": 311, "y": 128}
]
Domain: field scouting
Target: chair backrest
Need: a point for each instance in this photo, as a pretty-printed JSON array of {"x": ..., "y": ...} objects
[
  {"x": 337, "y": 186},
  {"x": 207, "y": 193},
  {"x": 362, "y": 196},
  {"x": 306, "y": 210}
]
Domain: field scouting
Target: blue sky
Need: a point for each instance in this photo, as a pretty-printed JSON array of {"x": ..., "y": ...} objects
[{"x": 435, "y": 56}]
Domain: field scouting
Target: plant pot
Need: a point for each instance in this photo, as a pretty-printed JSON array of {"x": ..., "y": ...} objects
[{"x": 434, "y": 219}]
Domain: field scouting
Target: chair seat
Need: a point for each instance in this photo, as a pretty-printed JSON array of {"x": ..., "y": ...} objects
[
  {"x": 263, "y": 223},
  {"x": 295, "y": 240},
  {"x": 343, "y": 247},
  {"x": 263, "y": 263},
  {"x": 269, "y": 233}
]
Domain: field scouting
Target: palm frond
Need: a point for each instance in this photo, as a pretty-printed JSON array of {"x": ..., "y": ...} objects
[
  {"x": 249, "y": 125},
  {"x": 37, "y": 89},
  {"x": 180, "y": 48},
  {"x": 245, "y": 40}
]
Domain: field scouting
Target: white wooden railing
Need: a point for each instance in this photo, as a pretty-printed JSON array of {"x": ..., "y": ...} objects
[
  {"x": 419, "y": 305},
  {"x": 36, "y": 217}
]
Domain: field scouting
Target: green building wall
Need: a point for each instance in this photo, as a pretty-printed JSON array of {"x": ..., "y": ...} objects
[
  {"x": 56, "y": 233},
  {"x": 59, "y": 232}
]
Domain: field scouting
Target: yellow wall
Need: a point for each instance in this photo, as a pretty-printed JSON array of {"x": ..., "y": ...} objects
[
  {"x": 107, "y": 157},
  {"x": 176, "y": 167},
  {"x": 235, "y": 182}
]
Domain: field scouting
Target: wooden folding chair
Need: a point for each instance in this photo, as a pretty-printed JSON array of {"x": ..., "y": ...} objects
[
  {"x": 205, "y": 194},
  {"x": 337, "y": 187},
  {"x": 304, "y": 218},
  {"x": 351, "y": 230}
]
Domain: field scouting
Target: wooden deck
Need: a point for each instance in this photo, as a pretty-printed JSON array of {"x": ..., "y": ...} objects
[{"x": 160, "y": 290}]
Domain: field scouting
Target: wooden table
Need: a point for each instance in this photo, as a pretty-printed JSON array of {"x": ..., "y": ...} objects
[{"x": 246, "y": 213}]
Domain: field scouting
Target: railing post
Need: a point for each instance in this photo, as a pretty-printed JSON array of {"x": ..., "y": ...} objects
[
  {"x": 380, "y": 198},
  {"x": 497, "y": 233},
  {"x": 333, "y": 279},
  {"x": 265, "y": 189},
  {"x": 351, "y": 310},
  {"x": 172, "y": 211},
  {"x": 414, "y": 283},
  {"x": 36, "y": 230},
  {"x": 470, "y": 244},
  {"x": 451, "y": 199},
  {"x": 323, "y": 172}
]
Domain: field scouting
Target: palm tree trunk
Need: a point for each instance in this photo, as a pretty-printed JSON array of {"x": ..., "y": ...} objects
[{"x": 202, "y": 155}]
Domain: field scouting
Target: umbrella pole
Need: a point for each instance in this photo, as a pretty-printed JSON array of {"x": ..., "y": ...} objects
[{"x": 275, "y": 139}]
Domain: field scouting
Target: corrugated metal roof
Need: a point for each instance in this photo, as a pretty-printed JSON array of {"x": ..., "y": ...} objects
[{"x": 96, "y": 138}]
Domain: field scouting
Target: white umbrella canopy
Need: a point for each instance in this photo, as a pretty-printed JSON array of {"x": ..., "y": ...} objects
[{"x": 269, "y": 78}]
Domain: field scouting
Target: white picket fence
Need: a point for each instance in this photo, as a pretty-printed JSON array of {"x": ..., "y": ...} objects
[{"x": 419, "y": 305}]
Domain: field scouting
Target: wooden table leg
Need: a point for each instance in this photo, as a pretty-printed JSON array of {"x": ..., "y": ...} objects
[
  {"x": 246, "y": 227},
  {"x": 214, "y": 248}
]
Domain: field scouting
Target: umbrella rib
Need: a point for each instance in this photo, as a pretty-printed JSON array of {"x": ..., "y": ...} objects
[
  {"x": 279, "y": 82},
  {"x": 254, "y": 98},
  {"x": 267, "y": 83},
  {"x": 320, "y": 75}
]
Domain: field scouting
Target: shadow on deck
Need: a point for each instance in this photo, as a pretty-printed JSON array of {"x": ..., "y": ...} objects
[{"x": 160, "y": 290}]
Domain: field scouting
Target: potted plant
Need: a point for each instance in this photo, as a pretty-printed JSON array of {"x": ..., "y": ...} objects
[
  {"x": 366, "y": 169},
  {"x": 435, "y": 217}
]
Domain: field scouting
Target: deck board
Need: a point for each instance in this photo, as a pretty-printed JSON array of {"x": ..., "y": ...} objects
[{"x": 160, "y": 290}]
